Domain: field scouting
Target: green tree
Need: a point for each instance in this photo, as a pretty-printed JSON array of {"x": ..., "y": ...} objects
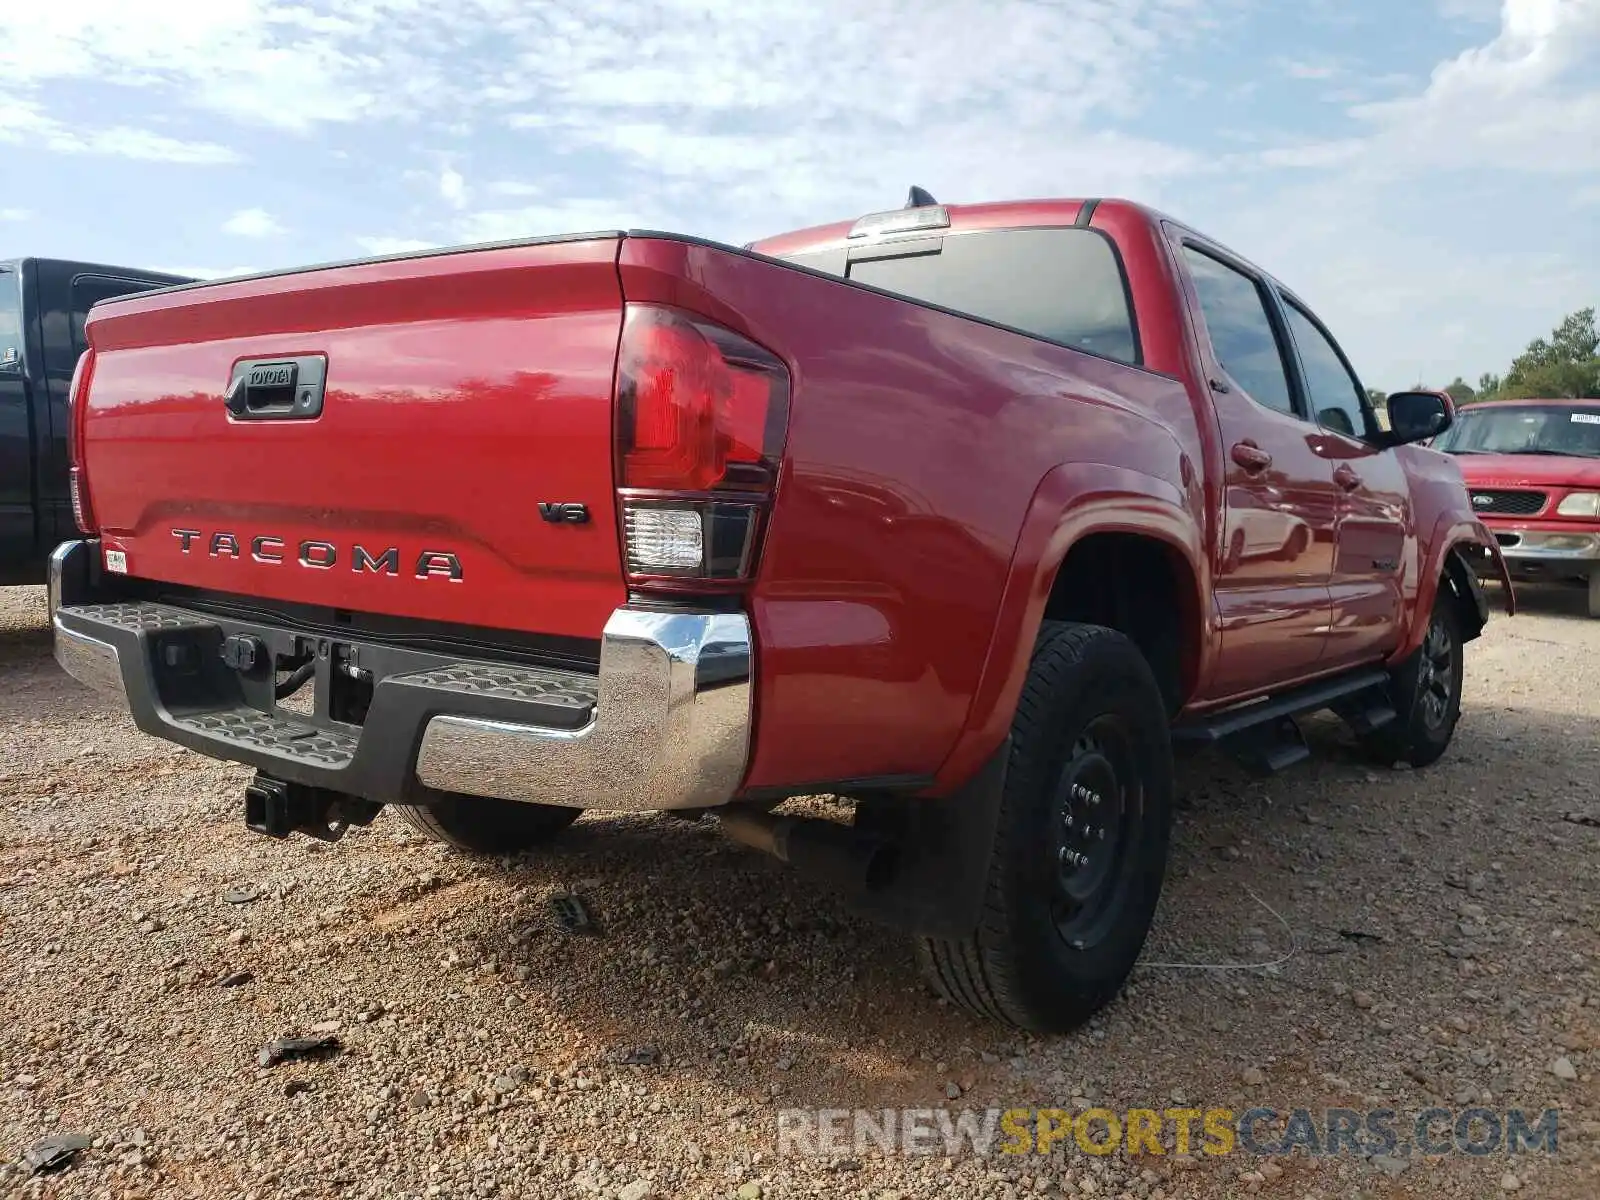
[
  {"x": 1461, "y": 391},
  {"x": 1566, "y": 364},
  {"x": 1488, "y": 386}
]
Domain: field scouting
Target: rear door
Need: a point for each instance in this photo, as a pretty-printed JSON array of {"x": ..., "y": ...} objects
[
  {"x": 1273, "y": 560},
  {"x": 1372, "y": 550},
  {"x": 16, "y": 429}
]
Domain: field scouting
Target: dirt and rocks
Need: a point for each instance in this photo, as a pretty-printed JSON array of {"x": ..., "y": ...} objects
[{"x": 1438, "y": 948}]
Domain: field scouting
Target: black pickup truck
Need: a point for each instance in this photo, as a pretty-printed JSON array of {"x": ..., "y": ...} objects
[{"x": 43, "y": 303}]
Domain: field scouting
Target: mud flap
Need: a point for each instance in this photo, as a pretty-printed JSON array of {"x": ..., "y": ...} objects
[
  {"x": 1491, "y": 551},
  {"x": 1467, "y": 583},
  {"x": 943, "y": 847},
  {"x": 1469, "y": 592}
]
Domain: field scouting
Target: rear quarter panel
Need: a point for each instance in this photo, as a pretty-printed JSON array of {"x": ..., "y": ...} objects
[{"x": 918, "y": 445}]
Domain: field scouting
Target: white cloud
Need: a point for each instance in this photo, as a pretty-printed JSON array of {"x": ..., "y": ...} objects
[
  {"x": 1312, "y": 154},
  {"x": 490, "y": 119},
  {"x": 751, "y": 120},
  {"x": 394, "y": 245},
  {"x": 1470, "y": 11},
  {"x": 765, "y": 100},
  {"x": 1300, "y": 69},
  {"x": 1527, "y": 101},
  {"x": 453, "y": 187},
  {"x": 208, "y": 272},
  {"x": 512, "y": 187},
  {"x": 15, "y": 214},
  {"x": 153, "y": 147},
  {"x": 571, "y": 216},
  {"x": 272, "y": 64},
  {"x": 24, "y": 123},
  {"x": 1365, "y": 243},
  {"x": 252, "y": 223}
]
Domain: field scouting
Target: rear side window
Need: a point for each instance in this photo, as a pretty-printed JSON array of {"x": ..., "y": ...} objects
[
  {"x": 10, "y": 322},
  {"x": 1063, "y": 285},
  {"x": 87, "y": 290},
  {"x": 1241, "y": 333}
]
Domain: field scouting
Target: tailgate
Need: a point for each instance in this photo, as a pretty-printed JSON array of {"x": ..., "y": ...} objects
[{"x": 465, "y": 410}]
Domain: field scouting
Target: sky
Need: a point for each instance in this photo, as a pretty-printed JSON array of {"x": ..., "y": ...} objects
[{"x": 1425, "y": 173}]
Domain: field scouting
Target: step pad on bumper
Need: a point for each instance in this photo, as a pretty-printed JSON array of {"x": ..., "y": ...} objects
[
  {"x": 135, "y": 617},
  {"x": 580, "y": 693},
  {"x": 250, "y": 727}
]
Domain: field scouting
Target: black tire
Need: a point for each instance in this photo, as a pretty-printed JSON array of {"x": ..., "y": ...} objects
[
  {"x": 482, "y": 825},
  {"x": 1594, "y": 594},
  {"x": 1427, "y": 693},
  {"x": 1057, "y": 939},
  {"x": 1299, "y": 542}
]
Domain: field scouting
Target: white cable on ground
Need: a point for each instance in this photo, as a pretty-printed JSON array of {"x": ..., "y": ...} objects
[{"x": 1294, "y": 948}]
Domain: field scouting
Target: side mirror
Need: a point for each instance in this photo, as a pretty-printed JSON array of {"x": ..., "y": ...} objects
[{"x": 1418, "y": 416}]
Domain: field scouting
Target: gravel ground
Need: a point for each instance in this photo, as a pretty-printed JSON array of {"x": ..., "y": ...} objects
[{"x": 478, "y": 1041}]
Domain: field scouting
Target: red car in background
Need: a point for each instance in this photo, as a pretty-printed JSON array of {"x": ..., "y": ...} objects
[{"x": 1532, "y": 468}]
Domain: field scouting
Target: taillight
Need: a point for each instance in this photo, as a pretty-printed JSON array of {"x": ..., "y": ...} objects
[
  {"x": 77, "y": 409},
  {"x": 701, "y": 418}
]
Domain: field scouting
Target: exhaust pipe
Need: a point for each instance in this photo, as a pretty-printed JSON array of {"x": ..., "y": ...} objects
[{"x": 824, "y": 850}]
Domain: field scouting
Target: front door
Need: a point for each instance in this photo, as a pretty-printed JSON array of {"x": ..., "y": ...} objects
[
  {"x": 1273, "y": 558},
  {"x": 1371, "y": 556}
]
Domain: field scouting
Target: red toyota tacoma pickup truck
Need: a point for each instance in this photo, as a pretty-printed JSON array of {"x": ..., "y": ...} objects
[
  {"x": 1532, "y": 469},
  {"x": 968, "y": 515}
]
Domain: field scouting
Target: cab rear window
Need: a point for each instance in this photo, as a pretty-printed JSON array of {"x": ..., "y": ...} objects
[{"x": 1063, "y": 285}]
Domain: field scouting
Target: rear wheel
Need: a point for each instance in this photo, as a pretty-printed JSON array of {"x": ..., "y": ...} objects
[
  {"x": 1427, "y": 693},
  {"x": 1081, "y": 845},
  {"x": 484, "y": 825}
]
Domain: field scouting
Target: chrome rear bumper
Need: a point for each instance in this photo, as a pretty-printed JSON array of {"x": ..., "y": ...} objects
[
  {"x": 671, "y": 727},
  {"x": 665, "y": 724},
  {"x": 88, "y": 660}
]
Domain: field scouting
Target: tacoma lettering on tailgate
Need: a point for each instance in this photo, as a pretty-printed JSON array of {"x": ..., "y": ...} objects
[{"x": 319, "y": 555}]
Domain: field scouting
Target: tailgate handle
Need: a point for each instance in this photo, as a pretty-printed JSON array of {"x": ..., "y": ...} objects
[{"x": 276, "y": 389}]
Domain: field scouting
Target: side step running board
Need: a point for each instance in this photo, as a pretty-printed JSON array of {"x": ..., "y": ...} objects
[{"x": 1263, "y": 733}]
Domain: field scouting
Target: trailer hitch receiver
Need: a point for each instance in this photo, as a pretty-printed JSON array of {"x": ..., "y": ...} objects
[{"x": 278, "y": 808}]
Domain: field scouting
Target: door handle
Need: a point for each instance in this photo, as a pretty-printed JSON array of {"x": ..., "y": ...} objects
[
  {"x": 1251, "y": 457},
  {"x": 1345, "y": 476}
]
